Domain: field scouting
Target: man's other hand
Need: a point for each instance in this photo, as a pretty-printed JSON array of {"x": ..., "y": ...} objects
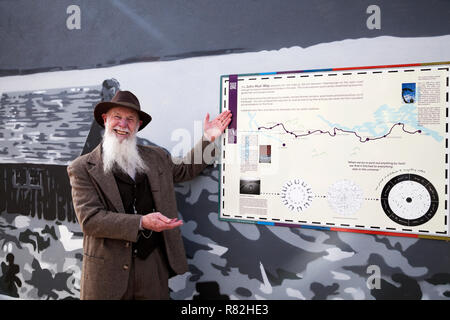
[{"x": 158, "y": 222}]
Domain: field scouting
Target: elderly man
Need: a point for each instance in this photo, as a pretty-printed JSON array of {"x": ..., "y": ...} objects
[{"x": 124, "y": 198}]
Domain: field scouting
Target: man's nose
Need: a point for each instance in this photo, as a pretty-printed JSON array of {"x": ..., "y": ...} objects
[{"x": 123, "y": 123}]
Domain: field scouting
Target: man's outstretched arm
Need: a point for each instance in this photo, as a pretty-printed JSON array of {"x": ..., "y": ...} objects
[{"x": 203, "y": 152}]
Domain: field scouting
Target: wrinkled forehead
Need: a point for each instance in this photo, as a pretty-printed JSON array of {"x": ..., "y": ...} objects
[{"x": 123, "y": 112}]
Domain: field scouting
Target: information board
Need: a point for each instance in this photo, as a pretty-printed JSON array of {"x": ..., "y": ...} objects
[{"x": 361, "y": 149}]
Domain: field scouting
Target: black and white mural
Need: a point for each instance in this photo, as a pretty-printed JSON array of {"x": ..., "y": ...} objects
[{"x": 59, "y": 58}]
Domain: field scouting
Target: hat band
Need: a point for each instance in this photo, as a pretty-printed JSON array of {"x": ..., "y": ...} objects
[{"x": 127, "y": 104}]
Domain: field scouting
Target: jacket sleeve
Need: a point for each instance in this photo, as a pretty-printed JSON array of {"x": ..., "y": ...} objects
[
  {"x": 194, "y": 162},
  {"x": 91, "y": 209}
]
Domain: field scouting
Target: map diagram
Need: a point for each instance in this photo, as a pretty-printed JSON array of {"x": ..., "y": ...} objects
[{"x": 361, "y": 149}]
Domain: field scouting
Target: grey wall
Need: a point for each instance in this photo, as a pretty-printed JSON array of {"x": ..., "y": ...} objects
[{"x": 35, "y": 37}]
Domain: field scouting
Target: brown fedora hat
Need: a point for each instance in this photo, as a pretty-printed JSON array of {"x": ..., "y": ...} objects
[{"x": 121, "y": 99}]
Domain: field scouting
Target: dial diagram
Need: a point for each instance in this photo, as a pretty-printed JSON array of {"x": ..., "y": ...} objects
[{"x": 409, "y": 200}]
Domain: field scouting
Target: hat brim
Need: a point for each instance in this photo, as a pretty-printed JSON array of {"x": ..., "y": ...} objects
[{"x": 103, "y": 107}]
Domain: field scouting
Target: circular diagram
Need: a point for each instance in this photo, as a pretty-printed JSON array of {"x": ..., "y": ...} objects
[
  {"x": 409, "y": 200},
  {"x": 345, "y": 197},
  {"x": 296, "y": 195}
]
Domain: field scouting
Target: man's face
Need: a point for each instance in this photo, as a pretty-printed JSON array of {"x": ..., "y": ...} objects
[{"x": 121, "y": 121}]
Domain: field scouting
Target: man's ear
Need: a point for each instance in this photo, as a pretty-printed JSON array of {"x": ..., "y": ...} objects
[
  {"x": 140, "y": 123},
  {"x": 104, "y": 116}
]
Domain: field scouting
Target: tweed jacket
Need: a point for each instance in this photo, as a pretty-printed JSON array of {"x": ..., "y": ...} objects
[{"x": 108, "y": 231}]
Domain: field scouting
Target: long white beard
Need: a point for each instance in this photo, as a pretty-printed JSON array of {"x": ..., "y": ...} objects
[{"x": 124, "y": 154}]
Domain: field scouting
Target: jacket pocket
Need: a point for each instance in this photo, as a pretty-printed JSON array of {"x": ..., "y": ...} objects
[
  {"x": 94, "y": 259},
  {"x": 92, "y": 272}
]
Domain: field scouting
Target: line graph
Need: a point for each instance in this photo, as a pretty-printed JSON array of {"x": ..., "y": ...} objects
[{"x": 333, "y": 132}]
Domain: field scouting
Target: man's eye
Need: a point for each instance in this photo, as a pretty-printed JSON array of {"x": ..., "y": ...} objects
[{"x": 117, "y": 117}]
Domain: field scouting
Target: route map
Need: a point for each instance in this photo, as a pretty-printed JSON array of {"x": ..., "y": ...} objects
[{"x": 361, "y": 149}]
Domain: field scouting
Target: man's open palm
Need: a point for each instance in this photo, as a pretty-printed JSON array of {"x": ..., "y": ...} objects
[
  {"x": 213, "y": 129},
  {"x": 158, "y": 222}
]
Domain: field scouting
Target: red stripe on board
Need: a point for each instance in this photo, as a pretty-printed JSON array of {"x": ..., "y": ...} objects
[{"x": 377, "y": 232}]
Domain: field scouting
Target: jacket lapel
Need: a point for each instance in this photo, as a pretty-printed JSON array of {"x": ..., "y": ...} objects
[
  {"x": 153, "y": 173},
  {"x": 106, "y": 182}
]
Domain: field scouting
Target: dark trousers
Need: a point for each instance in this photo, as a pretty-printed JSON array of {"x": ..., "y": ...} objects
[{"x": 149, "y": 278}]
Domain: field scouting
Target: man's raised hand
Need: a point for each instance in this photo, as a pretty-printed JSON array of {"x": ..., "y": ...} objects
[{"x": 213, "y": 129}]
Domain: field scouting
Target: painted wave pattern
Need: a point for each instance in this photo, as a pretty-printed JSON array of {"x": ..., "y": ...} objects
[{"x": 48, "y": 126}]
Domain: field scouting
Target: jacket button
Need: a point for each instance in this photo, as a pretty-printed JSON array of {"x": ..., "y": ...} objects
[
  {"x": 127, "y": 244},
  {"x": 125, "y": 267}
]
